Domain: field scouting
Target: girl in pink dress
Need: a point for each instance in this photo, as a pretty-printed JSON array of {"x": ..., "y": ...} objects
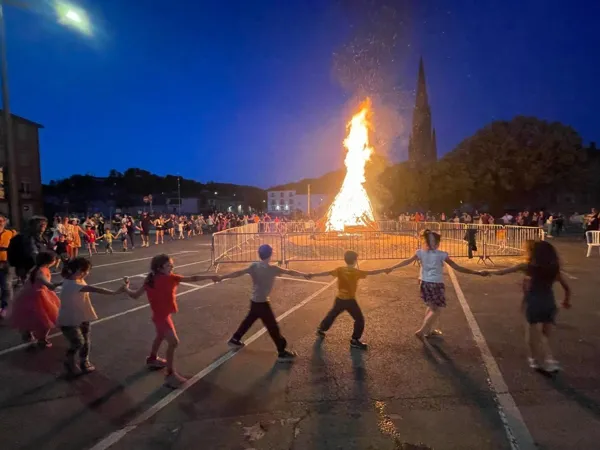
[{"x": 36, "y": 305}]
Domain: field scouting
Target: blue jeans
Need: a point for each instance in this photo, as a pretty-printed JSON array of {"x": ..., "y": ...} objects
[{"x": 6, "y": 288}]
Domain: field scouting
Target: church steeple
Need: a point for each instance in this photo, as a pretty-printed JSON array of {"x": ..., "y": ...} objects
[{"x": 422, "y": 147}]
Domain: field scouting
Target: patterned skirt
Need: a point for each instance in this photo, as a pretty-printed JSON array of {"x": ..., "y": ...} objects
[{"x": 433, "y": 294}]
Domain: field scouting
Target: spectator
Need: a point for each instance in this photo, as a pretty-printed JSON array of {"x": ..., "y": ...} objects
[{"x": 5, "y": 275}]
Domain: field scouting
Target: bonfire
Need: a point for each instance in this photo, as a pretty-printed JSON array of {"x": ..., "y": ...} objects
[{"x": 352, "y": 208}]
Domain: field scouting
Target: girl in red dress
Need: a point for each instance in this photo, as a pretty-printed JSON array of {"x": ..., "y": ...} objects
[
  {"x": 36, "y": 305},
  {"x": 161, "y": 289}
]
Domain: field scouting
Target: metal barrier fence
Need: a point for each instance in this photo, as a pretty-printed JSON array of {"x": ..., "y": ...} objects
[{"x": 299, "y": 241}]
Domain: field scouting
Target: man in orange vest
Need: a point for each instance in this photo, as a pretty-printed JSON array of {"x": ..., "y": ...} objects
[{"x": 5, "y": 278}]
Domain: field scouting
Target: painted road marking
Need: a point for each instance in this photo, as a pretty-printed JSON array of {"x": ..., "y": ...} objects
[
  {"x": 302, "y": 280},
  {"x": 129, "y": 261},
  {"x": 122, "y": 313},
  {"x": 146, "y": 273},
  {"x": 516, "y": 430},
  {"x": 568, "y": 275},
  {"x": 116, "y": 436}
]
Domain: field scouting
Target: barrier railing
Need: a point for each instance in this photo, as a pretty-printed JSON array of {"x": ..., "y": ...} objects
[
  {"x": 286, "y": 227},
  {"x": 299, "y": 241}
]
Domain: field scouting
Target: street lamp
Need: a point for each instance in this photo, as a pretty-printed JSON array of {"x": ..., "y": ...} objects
[
  {"x": 67, "y": 15},
  {"x": 73, "y": 17}
]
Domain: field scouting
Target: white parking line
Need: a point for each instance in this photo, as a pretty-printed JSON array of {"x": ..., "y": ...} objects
[
  {"x": 302, "y": 280},
  {"x": 568, "y": 275},
  {"x": 516, "y": 430},
  {"x": 122, "y": 313},
  {"x": 107, "y": 318},
  {"x": 145, "y": 273},
  {"x": 116, "y": 436},
  {"x": 131, "y": 260}
]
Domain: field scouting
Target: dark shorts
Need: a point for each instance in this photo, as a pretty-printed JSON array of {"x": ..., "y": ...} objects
[
  {"x": 145, "y": 233},
  {"x": 540, "y": 307},
  {"x": 433, "y": 294}
]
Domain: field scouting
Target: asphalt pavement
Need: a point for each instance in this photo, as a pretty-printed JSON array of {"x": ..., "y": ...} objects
[{"x": 470, "y": 389}]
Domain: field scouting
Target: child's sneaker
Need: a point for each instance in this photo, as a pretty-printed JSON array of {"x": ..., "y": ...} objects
[
  {"x": 551, "y": 366},
  {"x": 355, "y": 343},
  {"x": 156, "y": 363},
  {"x": 286, "y": 356},
  {"x": 235, "y": 343},
  {"x": 87, "y": 367},
  {"x": 321, "y": 333},
  {"x": 533, "y": 364},
  {"x": 174, "y": 380},
  {"x": 435, "y": 333}
]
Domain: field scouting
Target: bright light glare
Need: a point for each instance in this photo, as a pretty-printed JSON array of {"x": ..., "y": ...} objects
[{"x": 72, "y": 15}]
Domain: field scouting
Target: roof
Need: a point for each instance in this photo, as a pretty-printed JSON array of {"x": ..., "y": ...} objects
[{"x": 23, "y": 119}]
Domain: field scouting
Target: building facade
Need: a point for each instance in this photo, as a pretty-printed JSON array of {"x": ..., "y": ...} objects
[
  {"x": 281, "y": 202},
  {"x": 422, "y": 145},
  {"x": 289, "y": 202},
  {"x": 28, "y": 168}
]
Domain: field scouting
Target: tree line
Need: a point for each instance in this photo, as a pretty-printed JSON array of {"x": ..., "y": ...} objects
[{"x": 520, "y": 163}]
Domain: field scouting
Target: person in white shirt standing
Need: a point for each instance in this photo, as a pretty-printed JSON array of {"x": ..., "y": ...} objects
[
  {"x": 76, "y": 312},
  {"x": 431, "y": 280},
  {"x": 507, "y": 219}
]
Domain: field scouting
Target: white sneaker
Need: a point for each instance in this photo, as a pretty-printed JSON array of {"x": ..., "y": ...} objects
[
  {"x": 533, "y": 364},
  {"x": 551, "y": 366}
]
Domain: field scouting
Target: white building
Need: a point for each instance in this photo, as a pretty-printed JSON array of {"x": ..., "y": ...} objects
[
  {"x": 281, "y": 202},
  {"x": 286, "y": 202}
]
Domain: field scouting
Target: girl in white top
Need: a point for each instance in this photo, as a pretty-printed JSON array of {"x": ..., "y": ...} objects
[
  {"x": 76, "y": 312},
  {"x": 431, "y": 280}
]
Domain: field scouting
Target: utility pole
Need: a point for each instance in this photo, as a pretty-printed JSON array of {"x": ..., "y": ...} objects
[
  {"x": 308, "y": 201},
  {"x": 179, "y": 193},
  {"x": 11, "y": 157}
]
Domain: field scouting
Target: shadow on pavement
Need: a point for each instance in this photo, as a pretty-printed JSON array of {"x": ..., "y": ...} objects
[
  {"x": 562, "y": 386},
  {"x": 468, "y": 387},
  {"x": 99, "y": 395}
]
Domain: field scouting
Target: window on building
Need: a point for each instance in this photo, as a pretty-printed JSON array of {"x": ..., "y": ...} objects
[
  {"x": 272, "y": 194},
  {"x": 281, "y": 194},
  {"x": 25, "y": 187},
  {"x": 273, "y": 202},
  {"x": 291, "y": 194}
]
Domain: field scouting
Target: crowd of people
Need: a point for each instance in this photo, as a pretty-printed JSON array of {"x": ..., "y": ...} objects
[
  {"x": 553, "y": 223},
  {"x": 37, "y": 308}
]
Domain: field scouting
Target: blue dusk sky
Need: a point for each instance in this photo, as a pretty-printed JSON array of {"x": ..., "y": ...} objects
[{"x": 245, "y": 91}]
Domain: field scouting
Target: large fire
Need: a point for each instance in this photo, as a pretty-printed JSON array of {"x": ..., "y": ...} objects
[{"x": 352, "y": 206}]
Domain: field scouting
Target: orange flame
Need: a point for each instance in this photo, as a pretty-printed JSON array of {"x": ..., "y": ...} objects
[{"x": 352, "y": 206}]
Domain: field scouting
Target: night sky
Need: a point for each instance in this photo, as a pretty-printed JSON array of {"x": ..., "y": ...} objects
[{"x": 245, "y": 92}]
